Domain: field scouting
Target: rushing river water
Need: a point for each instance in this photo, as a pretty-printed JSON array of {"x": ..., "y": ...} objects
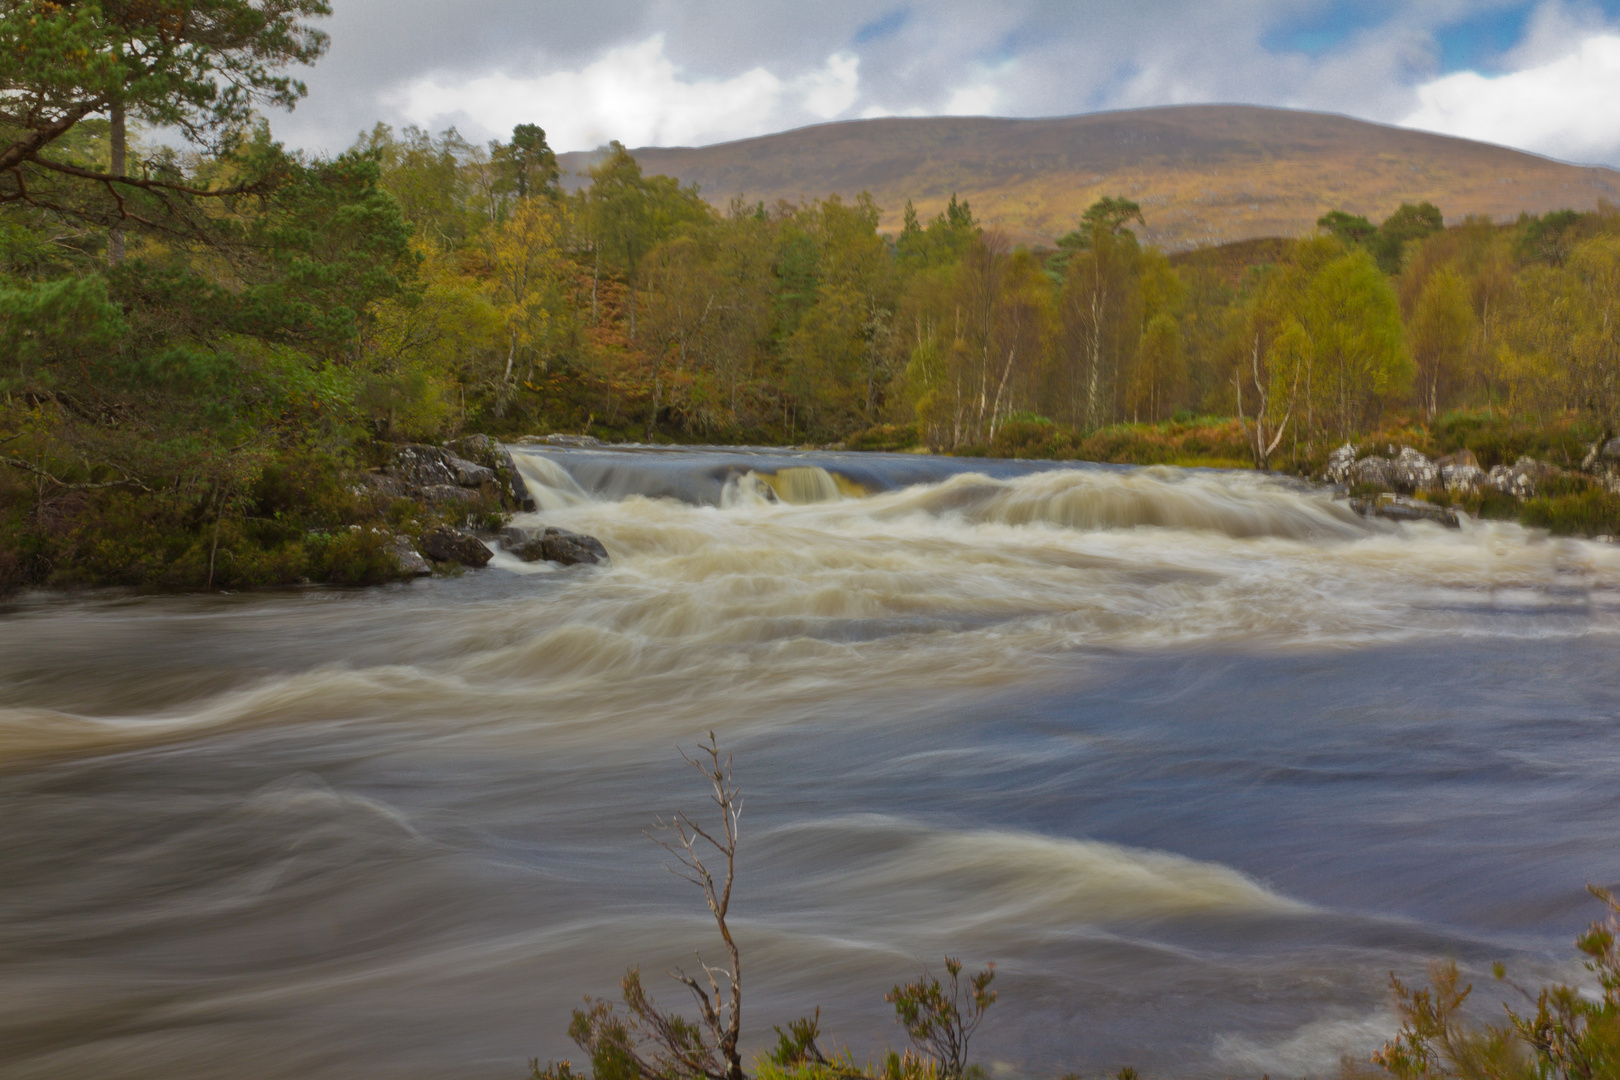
[{"x": 1197, "y": 758}]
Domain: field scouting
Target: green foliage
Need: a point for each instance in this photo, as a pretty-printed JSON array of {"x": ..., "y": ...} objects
[
  {"x": 1570, "y": 1036},
  {"x": 67, "y": 320},
  {"x": 1591, "y": 512},
  {"x": 202, "y": 67},
  {"x": 1387, "y": 241},
  {"x": 1351, "y": 229},
  {"x": 940, "y": 1019}
]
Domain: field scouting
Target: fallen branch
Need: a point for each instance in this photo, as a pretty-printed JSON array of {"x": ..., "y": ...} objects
[{"x": 29, "y": 467}]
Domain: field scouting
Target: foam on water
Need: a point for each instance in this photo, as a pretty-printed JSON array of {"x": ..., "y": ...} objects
[{"x": 427, "y": 801}]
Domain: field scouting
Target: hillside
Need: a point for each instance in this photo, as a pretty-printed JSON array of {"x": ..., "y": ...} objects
[{"x": 1204, "y": 174}]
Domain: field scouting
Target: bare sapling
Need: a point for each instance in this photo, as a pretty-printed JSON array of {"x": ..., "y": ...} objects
[
  {"x": 720, "y": 1001},
  {"x": 644, "y": 1042}
]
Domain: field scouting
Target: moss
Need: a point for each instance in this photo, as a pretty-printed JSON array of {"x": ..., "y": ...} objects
[{"x": 886, "y": 437}]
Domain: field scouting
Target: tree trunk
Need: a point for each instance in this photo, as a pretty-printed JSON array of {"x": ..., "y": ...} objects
[{"x": 117, "y": 138}]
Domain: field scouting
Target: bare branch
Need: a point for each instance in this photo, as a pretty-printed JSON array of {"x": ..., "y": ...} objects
[{"x": 29, "y": 467}]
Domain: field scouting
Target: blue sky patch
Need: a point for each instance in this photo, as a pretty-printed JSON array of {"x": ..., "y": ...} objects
[
  {"x": 883, "y": 26},
  {"x": 1322, "y": 31},
  {"x": 1475, "y": 44}
]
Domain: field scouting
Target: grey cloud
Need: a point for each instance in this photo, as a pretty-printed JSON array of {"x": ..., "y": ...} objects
[{"x": 1046, "y": 57}]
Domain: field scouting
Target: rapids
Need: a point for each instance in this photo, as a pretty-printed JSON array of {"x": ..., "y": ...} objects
[{"x": 1196, "y": 757}]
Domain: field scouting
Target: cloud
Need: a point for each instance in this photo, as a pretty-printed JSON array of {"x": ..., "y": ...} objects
[
  {"x": 833, "y": 89},
  {"x": 697, "y": 71},
  {"x": 1563, "y": 107},
  {"x": 636, "y": 94}
]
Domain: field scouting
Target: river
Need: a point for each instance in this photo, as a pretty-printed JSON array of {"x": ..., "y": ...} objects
[{"x": 1196, "y": 757}]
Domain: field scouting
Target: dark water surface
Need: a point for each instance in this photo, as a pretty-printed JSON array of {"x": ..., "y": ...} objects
[{"x": 1196, "y": 758}]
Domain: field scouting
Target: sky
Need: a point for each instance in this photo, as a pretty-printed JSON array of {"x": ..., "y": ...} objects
[{"x": 1543, "y": 77}]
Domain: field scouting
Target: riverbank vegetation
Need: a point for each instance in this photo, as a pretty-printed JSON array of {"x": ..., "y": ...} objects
[
  {"x": 205, "y": 350},
  {"x": 1573, "y": 1034}
]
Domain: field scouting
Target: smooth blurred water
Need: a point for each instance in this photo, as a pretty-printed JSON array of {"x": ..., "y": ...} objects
[{"x": 1197, "y": 758}]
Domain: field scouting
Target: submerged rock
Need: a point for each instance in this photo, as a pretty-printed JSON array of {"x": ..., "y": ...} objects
[
  {"x": 409, "y": 559},
  {"x": 554, "y": 545},
  {"x": 578, "y": 441},
  {"x": 1400, "y": 508},
  {"x": 444, "y": 544}
]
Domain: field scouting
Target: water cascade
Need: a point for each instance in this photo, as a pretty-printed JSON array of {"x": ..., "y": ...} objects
[{"x": 1197, "y": 757}]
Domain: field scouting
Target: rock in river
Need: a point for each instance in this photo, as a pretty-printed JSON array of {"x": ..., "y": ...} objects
[
  {"x": 445, "y": 544},
  {"x": 1400, "y": 508},
  {"x": 553, "y": 544}
]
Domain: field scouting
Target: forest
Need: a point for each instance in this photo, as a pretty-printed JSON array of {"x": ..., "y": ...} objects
[{"x": 202, "y": 348}]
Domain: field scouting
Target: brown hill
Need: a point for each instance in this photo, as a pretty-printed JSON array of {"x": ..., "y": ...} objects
[{"x": 1204, "y": 174}]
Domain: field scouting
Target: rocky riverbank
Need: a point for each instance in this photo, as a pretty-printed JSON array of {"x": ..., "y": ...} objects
[
  {"x": 472, "y": 474},
  {"x": 1404, "y": 484}
]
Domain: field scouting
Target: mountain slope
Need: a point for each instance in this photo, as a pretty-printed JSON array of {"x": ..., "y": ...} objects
[{"x": 1203, "y": 173}]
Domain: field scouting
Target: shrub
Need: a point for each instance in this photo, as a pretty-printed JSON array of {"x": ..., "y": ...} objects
[
  {"x": 1592, "y": 512},
  {"x": 1569, "y": 1037}
]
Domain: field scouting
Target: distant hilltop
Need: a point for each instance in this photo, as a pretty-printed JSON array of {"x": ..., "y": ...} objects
[{"x": 1204, "y": 174}]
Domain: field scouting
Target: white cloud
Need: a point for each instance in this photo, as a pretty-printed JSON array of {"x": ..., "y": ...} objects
[
  {"x": 1563, "y": 107},
  {"x": 834, "y": 88},
  {"x": 978, "y": 99},
  {"x": 636, "y": 94}
]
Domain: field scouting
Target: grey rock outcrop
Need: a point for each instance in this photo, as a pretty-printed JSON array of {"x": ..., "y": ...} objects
[
  {"x": 553, "y": 545},
  {"x": 1371, "y": 471},
  {"x": 1338, "y": 464},
  {"x": 1408, "y": 472},
  {"x": 444, "y": 544},
  {"x": 491, "y": 455},
  {"x": 468, "y": 474},
  {"x": 1460, "y": 472},
  {"x": 422, "y": 466},
  {"x": 1413, "y": 471},
  {"x": 409, "y": 559},
  {"x": 1524, "y": 477}
]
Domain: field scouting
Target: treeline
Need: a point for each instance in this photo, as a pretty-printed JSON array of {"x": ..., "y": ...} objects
[
  {"x": 201, "y": 352},
  {"x": 632, "y": 308}
]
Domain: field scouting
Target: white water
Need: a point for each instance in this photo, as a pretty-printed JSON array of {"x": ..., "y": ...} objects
[{"x": 1196, "y": 756}]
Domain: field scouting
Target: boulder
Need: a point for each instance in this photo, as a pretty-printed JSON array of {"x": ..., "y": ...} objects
[
  {"x": 468, "y": 474},
  {"x": 1523, "y": 477},
  {"x": 474, "y": 447},
  {"x": 421, "y": 466},
  {"x": 570, "y": 548},
  {"x": 1372, "y": 471},
  {"x": 442, "y": 494},
  {"x": 410, "y": 560},
  {"x": 491, "y": 455},
  {"x": 1400, "y": 508},
  {"x": 1338, "y": 464},
  {"x": 1413, "y": 471},
  {"x": 444, "y": 544},
  {"x": 554, "y": 545},
  {"x": 1461, "y": 472},
  {"x": 526, "y": 544}
]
